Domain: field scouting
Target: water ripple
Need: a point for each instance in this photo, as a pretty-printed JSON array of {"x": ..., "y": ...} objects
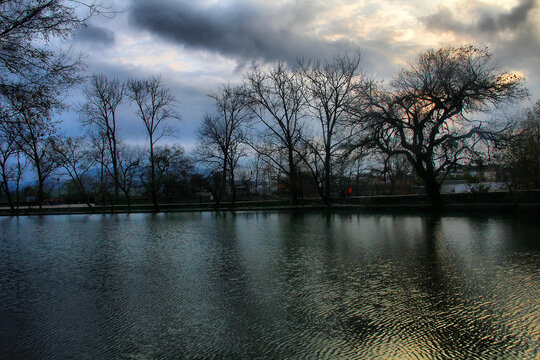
[{"x": 269, "y": 285}]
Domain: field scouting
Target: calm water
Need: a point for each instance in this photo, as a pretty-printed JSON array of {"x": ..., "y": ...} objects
[{"x": 269, "y": 285}]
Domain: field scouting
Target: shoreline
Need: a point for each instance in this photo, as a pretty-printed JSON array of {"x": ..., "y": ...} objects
[
  {"x": 452, "y": 208},
  {"x": 519, "y": 202}
]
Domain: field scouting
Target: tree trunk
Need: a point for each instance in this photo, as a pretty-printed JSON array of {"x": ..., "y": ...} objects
[
  {"x": 9, "y": 199},
  {"x": 82, "y": 191},
  {"x": 327, "y": 188},
  {"x": 18, "y": 183},
  {"x": 217, "y": 198},
  {"x": 41, "y": 186},
  {"x": 41, "y": 193},
  {"x": 433, "y": 189},
  {"x": 102, "y": 185},
  {"x": 223, "y": 181},
  {"x": 128, "y": 199},
  {"x": 112, "y": 202},
  {"x": 153, "y": 188},
  {"x": 257, "y": 175},
  {"x": 233, "y": 189},
  {"x": 5, "y": 188},
  {"x": 293, "y": 189},
  {"x": 114, "y": 159},
  {"x": 393, "y": 181}
]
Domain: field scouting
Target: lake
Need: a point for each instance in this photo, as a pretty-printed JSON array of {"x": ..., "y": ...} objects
[{"x": 275, "y": 285}]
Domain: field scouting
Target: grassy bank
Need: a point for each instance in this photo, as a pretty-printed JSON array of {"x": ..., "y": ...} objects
[{"x": 494, "y": 202}]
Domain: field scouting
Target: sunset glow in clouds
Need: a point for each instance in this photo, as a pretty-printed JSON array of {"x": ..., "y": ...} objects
[{"x": 198, "y": 45}]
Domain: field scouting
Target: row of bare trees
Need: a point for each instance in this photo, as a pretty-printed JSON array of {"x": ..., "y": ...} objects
[
  {"x": 320, "y": 116},
  {"x": 100, "y": 166},
  {"x": 520, "y": 154},
  {"x": 155, "y": 108},
  {"x": 33, "y": 80},
  {"x": 293, "y": 120},
  {"x": 84, "y": 166},
  {"x": 316, "y": 117}
]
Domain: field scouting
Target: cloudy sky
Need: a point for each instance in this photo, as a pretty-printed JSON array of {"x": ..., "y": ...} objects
[{"x": 196, "y": 46}]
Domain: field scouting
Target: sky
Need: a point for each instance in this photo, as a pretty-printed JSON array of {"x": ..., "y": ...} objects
[{"x": 197, "y": 46}]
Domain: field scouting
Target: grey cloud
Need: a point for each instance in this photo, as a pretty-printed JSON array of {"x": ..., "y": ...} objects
[
  {"x": 444, "y": 20},
  {"x": 240, "y": 30},
  {"x": 488, "y": 22},
  {"x": 512, "y": 20},
  {"x": 95, "y": 34}
]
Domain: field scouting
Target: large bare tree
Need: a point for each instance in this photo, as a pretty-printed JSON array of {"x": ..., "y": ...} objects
[
  {"x": 31, "y": 68},
  {"x": 222, "y": 136},
  {"x": 429, "y": 114},
  {"x": 276, "y": 98},
  {"x": 27, "y": 61},
  {"x": 34, "y": 132},
  {"x": 102, "y": 98},
  {"x": 155, "y": 107},
  {"x": 329, "y": 94}
]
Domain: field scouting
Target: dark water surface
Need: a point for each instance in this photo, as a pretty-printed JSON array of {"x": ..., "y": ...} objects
[{"x": 269, "y": 285}]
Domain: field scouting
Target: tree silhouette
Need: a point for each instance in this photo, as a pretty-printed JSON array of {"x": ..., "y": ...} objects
[
  {"x": 276, "y": 98},
  {"x": 223, "y": 135},
  {"x": 427, "y": 114},
  {"x": 329, "y": 91},
  {"x": 103, "y": 96},
  {"x": 27, "y": 62},
  {"x": 155, "y": 106}
]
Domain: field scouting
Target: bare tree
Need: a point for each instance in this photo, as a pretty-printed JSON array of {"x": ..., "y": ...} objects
[
  {"x": 394, "y": 168},
  {"x": 212, "y": 181},
  {"x": 103, "y": 96},
  {"x": 428, "y": 113},
  {"x": 13, "y": 165},
  {"x": 20, "y": 169},
  {"x": 99, "y": 154},
  {"x": 155, "y": 106},
  {"x": 210, "y": 155},
  {"x": 222, "y": 136},
  {"x": 173, "y": 170},
  {"x": 276, "y": 98},
  {"x": 34, "y": 133},
  {"x": 329, "y": 94},
  {"x": 33, "y": 69},
  {"x": 129, "y": 166},
  {"x": 8, "y": 151},
  {"x": 254, "y": 171},
  {"x": 521, "y": 155},
  {"x": 77, "y": 161},
  {"x": 27, "y": 62}
]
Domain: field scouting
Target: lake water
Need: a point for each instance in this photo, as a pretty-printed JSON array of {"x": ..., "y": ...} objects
[{"x": 269, "y": 285}]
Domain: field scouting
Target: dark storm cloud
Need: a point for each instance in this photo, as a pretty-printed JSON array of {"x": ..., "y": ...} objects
[
  {"x": 238, "y": 29},
  {"x": 95, "y": 34},
  {"x": 487, "y": 22},
  {"x": 512, "y": 20}
]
